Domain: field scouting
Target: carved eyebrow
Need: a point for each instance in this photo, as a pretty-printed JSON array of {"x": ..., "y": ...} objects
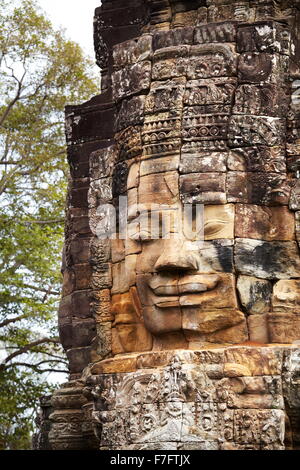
[
  {"x": 215, "y": 221},
  {"x": 214, "y": 225}
]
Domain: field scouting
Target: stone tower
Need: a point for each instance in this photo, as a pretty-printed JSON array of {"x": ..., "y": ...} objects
[{"x": 181, "y": 340}]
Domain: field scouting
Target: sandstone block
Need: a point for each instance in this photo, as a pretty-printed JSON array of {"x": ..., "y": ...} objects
[
  {"x": 211, "y": 91},
  {"x": 258, "y": 188},
  {"x": 260, "y": 159},
  {"x": 129, "y": 143},
  {"x": 257, "y": 67},
  {"x": 78, "y": 359},
  {"x": 211, "y": 60},
  {"x": 284, "y": 327},
  {"x": 102, "y": 162},
  {"x": 216, "y": 256},
  {"x": 261, "y": 100},
  {"x": 159, "y": 165},
  {"x": 260, "y": 361},
  {"x": 286, "y": 296},
  {"x": 170, "y": 62},
  {"x": 203, "y": 188},
  {"x": 117, "y": 250},
  {"x": 219, "y": 222},
  {"x": 255, "y": 294},
  {"x": 294, "y": 203},
  {"x": 202, "y": 162},
  {"x": 206, "y": 127},
  {"x": 158, "y": 189},
  {"x": 131, "y": 113},
  {"x": 131, "y": 79},
  {"x": 133, "y": 176},
  {"x": 258, "y": 328},
  {"x": 133, "y": 51},
  {"x": 166, "y": 95},
  {"x": 205, "y": 322},
  {"x": 174, "y": 37},
  {"x": 264, "y": 36},
  {"x": 297, "y": 226},
  {"x": 246, "y": 130},
  {"x": 267, "y": 260},
  {"x": 101, "y": 305},
  {"x": 264, "y": 223},
  {"x": 210, "y": 33},
  {"x": 234, "y": 335}
]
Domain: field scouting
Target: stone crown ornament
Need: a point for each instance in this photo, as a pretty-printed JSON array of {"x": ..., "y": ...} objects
[{"x": 180, "y": 312}]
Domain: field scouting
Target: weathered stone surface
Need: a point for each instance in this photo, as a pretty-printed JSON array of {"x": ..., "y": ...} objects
[
  {"x": 264, "y": 223},
  {"x": 246, "y": 130},
  {"x": 102, "y": 345},
  {"x": 210, "y": 33},
  {"x": 123, "y": 274},
  {"x": 234, "y": 335},
  {"x": 210, "y": 321},
  {"x": 266, "y": 36},
  {"x": 165, "y": 96},
  {"x": 170, "y": 62},
  {"x": 261, "y": 100},
  {"x": 297, "y": 226},
  {"x": 294, "y": 203},
  {"x": 219, "y": 222},
  {"x": 286, "y": 296},
  {"x": 131, "y": 113},
  {"x": 202, "y": 162},
  {"x": 174, "y": 37},
  {"x": 160, "y": 188},
  {"x": 256, "y": 67},
  {"x": 159, "y": 165},
  {"x": 78, "y": 359},
  {"x": 102, "y": 162},
  {"x": 131, "y": 52},
  {"x": 203, "y": 188},
  {"x": 258, "y": 188},
  {"x": 251, "y": 358},
  {"x": 268, "y": 260},
  {"x": 129, "y": 143},
  {"x": 208, "y": 129},
  {"x": 222, "y": 10},
  {"x": 216, "y": 256},
  {"x": 101, "y": 305},
  {"x": 199, "y": 105},
  {"x": 259, "y": 159},
  {"x": 284, "y": 327},
  {"x": 258, "y": 328},
  {"x": 245, "y": 411},
  {"x": 131, "y": 79},
  {"x": 255, "y": 294},
  {"x": 204, "y": 92},
  {"x": 214, "y": 60}
]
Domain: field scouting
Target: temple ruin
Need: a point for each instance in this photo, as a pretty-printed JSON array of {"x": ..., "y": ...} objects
[{"x": 177, "y": 341}]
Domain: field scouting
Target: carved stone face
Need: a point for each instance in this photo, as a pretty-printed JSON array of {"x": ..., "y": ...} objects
[{"x": 206, "y": 127}]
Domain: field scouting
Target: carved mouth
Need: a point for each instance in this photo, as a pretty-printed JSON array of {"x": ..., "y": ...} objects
[{"x": 185, "y": 291}]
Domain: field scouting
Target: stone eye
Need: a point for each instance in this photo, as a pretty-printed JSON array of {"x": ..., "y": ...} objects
[{"x": 213, "y": 227}]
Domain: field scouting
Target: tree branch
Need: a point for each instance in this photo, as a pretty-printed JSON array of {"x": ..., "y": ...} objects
[
  {"x": 40, "y": 289},
  {"x": 27, "y": 348},
  {"x": 17, "y": 96},
  {"x": 12, "y": 320},
  {"x": 43, "y": 222}
]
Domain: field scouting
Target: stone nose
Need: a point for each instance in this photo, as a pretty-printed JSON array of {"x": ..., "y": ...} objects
[{"x": 176, "y": 257}]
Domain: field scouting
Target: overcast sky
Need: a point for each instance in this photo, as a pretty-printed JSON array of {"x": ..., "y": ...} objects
[{"x": 76, "y": 16}]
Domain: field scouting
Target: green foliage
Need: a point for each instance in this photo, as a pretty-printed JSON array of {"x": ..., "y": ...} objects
[
  {"x": 17, "y": 415},
  {"x": 40, "y": 72}
]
